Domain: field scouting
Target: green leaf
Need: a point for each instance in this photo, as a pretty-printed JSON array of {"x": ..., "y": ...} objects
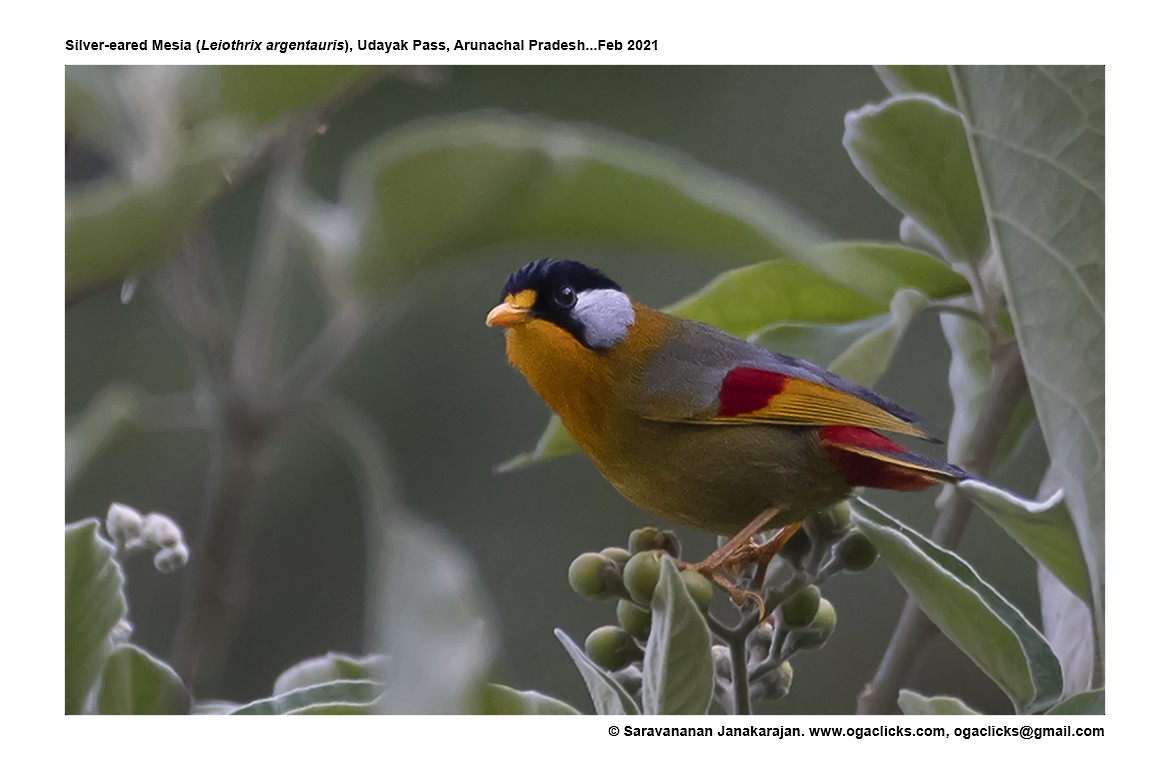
[
  {"x": 925, "y": 79},
  {"x": 329, "y": 668},
  {"x": 819, "y": 343},
  {"x": 745, "y": 300},
  {"x": 912, "y": 703},
  {"x": 1043, "y": 528},
  {"x": 913, "y": 150},
  {"x": 609, "y": 698},
  {"x": 866, "y": 360},
  {"x": 215, "y": 707},
  {"x": 969, "y": 378},
  {"x": 1087, "y": 703},
  {"x": 554, "y": 442},
  {"x": 985, "y": 626},
  {"x": 345, "y": 694},
  {"x": 94, "y": 603},
  {"x": 502, "y": 700},
  {"x": 439, "y": 188},
  {"x": 136, "y": 683},
  {"x": 678, "y": 673},
  {"x": 434, "y": 622},
  {"x": 336, "y": 708},
  {"x": 117, "y": 227},
  {"x": 1037, "y": 137},
  {"x": 880, "y": 270},
  {"x": 261, "y": 94}
]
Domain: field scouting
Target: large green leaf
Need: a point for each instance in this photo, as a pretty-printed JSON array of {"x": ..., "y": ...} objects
[
  {"x": 879, "y": 270},
  {"x": 1043, "y": 528},
  {"x": 678, "y": 675},
  {"x": 1087, "y": 703},
  {"x": 341, "y": 697},
  {"x": 136, "y": 683},
  {"x": 747, "y": 299},
  {"x": 913, "y": 703},
  {"x": 438, "y": 188},
  {"x": 609, "y": 698},
  {"x": 434, "y": 623},
  {"x": 502, "y": 700},
  {"x": 924, "y": 79},
  {"x": 94, "y": 603},
  {"x": 261, "y": 94},
  {"x": 971, "y": 613},
  {"x": 913, "y": 150},
  {"x": 1037, "y": 137}
]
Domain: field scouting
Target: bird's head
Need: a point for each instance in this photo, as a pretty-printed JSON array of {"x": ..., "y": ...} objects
[{"x": 580, "y": 300}]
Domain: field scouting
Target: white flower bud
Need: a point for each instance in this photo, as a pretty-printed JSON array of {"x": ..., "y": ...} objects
[
  {"x": 161, "y": 531},
  {"x": 120, "y": 633},
  {"x": 170, "y": 559},
  {"x": 123, "y": 524}
]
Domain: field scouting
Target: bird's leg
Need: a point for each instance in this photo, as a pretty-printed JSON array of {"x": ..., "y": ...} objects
[
  {"x": 767, "y": 551},
  {"x": 712, "y": 562}
]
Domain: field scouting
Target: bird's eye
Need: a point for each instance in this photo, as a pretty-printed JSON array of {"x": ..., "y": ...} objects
[{"x": 565, "y": 297}]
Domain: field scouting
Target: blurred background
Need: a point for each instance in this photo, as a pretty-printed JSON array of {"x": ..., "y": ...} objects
[{"x": 437, "y": 388}]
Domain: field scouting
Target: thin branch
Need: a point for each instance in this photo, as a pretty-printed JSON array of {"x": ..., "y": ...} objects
[
  {"x": 914, "y": 629},
  {"x": 740, "y": 684}
]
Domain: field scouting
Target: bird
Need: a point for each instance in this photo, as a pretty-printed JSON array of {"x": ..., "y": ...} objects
[{"x": 698, "y": 426}]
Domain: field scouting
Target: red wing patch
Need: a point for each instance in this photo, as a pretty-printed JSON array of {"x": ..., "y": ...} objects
[
  {"x": 867, "y": 459},
  {"x": 746, "y": 390}
]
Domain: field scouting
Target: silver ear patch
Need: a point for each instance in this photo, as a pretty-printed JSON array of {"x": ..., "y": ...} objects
[{"x": 605, "y": 316}]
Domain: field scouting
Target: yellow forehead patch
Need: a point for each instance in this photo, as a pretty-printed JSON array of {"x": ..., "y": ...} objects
[{"x": 525, "y": 299}]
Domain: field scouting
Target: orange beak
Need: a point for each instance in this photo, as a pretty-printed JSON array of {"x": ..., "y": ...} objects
[{"x": 506, "y": 315}]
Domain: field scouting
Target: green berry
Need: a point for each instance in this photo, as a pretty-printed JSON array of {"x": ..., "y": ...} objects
[
  {"x": 594, "y": 576},
  {"x": 612, "y": 648},
  {"x": 641, "y": 576},
  {"x": 699, "y": 587},
  {"x": 651, "y": 538},
  {"x": 816, "y": 633},
  {"x": 773, "y": 682},
  {"x": 634, "y": 619},
  {"x": 619, "y": 555},
  {"x": 831, "y": 523},
  {"x": 801, "y": 607},
  {"x": 796, "y": 548},
  {"x": 855, "y": 552}
]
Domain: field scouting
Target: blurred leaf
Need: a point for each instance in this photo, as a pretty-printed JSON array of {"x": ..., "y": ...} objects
[
  {"x": 609, "y": 698},
  {"x": 678, "y": 673},
  {"x": 346, "y": 694},
  {"x": 117, "y": 227},
  {"x": 108, "y": 415},
  {"x": 985, "y": 626},
  {"x": 913, "y": 150},
  {"x": 502, "y": 700},
  {"x": 336, "y": 708},
  {"x": 261, "y": 94},
  {"x": 1043, "y": 528},
  {"x": 434, "y": 623},
  {"x": 1038, "y": 139},
  {"x": 553, "y": 443},
  {"x": 136, "y": 683},
  {"x": 330, "y": 667},
  {"x": 439, "y": 188},
  {"x": 926, "y": 79},
  {"x": 94, "y": 603},
  {"x": 745, "y": 300},
  {"x": 1087, "y": 703},
  {"x": 93, "y": 109},
  {"x": 912, "y": 703}
]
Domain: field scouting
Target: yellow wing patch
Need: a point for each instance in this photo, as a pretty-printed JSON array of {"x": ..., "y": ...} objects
[{"x": 748, "y": 398}]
